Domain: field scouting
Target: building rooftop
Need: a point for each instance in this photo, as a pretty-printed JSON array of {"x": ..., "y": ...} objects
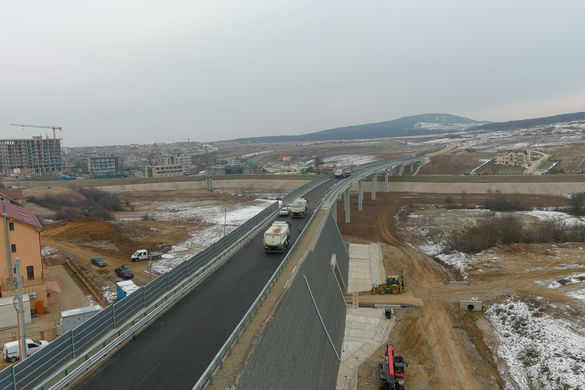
[{"x": 18, "y": 213}]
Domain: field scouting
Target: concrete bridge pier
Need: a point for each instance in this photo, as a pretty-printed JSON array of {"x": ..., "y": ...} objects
[
  {"x": 386, "y": 177},
  {"x": 374, "y": 185},
  {"x": 361, "y": 195},
  {"x": 400, "y": 170},
  {"x": 346, "y": 204},
  {"x": 411, "y": 167}
]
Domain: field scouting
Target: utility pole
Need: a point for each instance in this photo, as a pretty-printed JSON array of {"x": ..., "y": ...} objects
[
  {"x": 20, "y": 311},
  {"x": 10, "y": 274}
]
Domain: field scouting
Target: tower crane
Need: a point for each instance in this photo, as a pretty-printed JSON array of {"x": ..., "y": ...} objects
[
  {"x": 54, "y": 137},
  {"x": 41, "y": 127}
]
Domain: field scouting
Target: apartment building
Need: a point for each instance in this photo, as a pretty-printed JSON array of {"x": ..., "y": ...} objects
[
  {"x": 247, "y": 169},
  {"x": 163, "y": 170},
  {"x": 34, "y": 155},
  {"x": 103, "y": 167},
  {"x": 516, "y": 157},
  {"x": 185, "y": 161}
]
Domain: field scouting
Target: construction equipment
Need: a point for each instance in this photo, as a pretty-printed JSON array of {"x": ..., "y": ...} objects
[
  {"x": 41, "y": 127},
  {"x": 391, "y": 369},
  {"x": 394, "y": 284}
]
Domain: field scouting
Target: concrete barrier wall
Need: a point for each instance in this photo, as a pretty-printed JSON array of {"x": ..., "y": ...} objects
[{"x": 294, "y": 351}]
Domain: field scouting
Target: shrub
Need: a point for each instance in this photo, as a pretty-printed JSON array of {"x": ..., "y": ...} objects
[
  {"x": 508, "y": 229},
  {"x": 96, "y": 204},
  {"x": 147, "y": 217},
  {"x": 68, "y": 213},
  {"x": 500, "y": 202},
  {"x": 577, "y": 201}
]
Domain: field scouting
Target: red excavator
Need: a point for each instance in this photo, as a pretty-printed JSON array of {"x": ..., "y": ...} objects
[{"x": 392, "y": 369}]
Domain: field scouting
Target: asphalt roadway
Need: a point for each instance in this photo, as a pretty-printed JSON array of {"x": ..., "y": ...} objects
[{"x": 175, "y": 350}]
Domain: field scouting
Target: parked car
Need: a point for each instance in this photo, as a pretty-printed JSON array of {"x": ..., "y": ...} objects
[
  {"x": 100, "y": 262},
  {"x": 284, "y": 210},
  {"x": 10, "y": 351},
  {"x": 124, "y": 272}
]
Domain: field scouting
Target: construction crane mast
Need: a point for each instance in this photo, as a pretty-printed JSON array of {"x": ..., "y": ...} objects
[{"x": 55, "y": 128}]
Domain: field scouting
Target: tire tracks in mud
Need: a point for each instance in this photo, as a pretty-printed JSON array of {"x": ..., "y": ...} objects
[{"x": 432, "y": 340}]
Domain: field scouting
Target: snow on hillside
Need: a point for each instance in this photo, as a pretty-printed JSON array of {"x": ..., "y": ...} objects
[
  {"x": 443, "y": 126},
  {"x": 541, "y": 349},
  {"x": 539, "y": 137}
]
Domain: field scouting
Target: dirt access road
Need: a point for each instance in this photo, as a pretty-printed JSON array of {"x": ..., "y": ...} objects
[{"x": 443, "y": 344}]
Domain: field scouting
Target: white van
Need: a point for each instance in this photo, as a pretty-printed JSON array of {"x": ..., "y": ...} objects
[{"x": 10, "y": 350}]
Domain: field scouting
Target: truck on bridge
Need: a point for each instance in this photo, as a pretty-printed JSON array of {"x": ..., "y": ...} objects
[
  {"x": 298, "y": 208},
  {"x": 277, "y": 237}
]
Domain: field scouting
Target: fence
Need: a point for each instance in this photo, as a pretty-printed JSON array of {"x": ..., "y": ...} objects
[
  {"x": 306, "y": 188},
  {"x": 227, "y": 347},
  {"x": 88, "y": 282},
  {"x": 70, "y": 354}
]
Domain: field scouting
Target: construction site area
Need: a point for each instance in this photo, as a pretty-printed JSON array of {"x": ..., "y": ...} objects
[{"x": 445, "y": 346}]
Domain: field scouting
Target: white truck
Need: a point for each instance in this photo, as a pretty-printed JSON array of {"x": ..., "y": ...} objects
[
  {"x": 277, "y": 237},
  {"x": 339, "y": 174},
  {"x": 143, "y": 254},
  {"x": 298, "y": 208}
]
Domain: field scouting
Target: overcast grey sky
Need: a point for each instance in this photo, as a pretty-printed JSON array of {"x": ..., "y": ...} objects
[{"x": 122, "y": 72}]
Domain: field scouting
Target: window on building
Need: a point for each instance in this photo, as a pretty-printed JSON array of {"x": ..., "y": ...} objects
[
  {"x": 11, "y": 225},
  {"x": 30, "y": 272},
  {"x": 13, "y": 248}
]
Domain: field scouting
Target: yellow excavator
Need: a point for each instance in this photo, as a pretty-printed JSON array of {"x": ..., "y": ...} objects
[{"x": 394, "y": 284}]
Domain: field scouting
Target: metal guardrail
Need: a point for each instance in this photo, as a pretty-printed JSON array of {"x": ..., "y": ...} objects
[
  {"x": 153, "y": 314},
  {"x": 365, "y": 171},
  {"x": 207, "y": 375},
  {"x": 63, "y": 355},
  {"x": 306, "y": 188}
]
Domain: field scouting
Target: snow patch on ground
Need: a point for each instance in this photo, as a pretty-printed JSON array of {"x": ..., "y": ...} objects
[
  {"x": 234, "y": 214},
  {"x": 212, "y": 216},
  {"x": 429, "y": 248},
  {"x": 48, "y": 251},
  {"x": 457, "y": 260},
  {"x": 540, "y": 350},
  {"x": 109, "y": 295},
  {"x": 549, "y": 215},
  {"x": 349, "y": 159}
]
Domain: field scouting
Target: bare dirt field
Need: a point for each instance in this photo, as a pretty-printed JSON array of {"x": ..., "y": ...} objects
[
  {"x": 454, "y": 163},
  {"x": 445, "y": 346},
  {"x": 134, "y": 228}
]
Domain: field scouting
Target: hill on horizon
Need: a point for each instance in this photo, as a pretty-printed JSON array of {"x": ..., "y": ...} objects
[
  {"x": 527, "y": 123},
  {"x": 424, "y": 124}
]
